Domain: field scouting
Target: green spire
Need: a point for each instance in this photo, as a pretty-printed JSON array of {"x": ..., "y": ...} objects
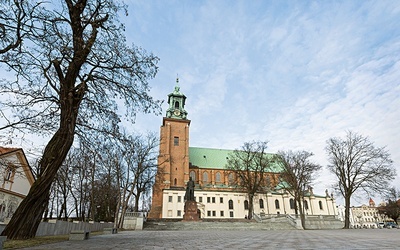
[{"x": 176, "y": 101}]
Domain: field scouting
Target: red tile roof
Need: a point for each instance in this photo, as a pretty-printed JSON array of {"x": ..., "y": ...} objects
[{"x": 4, "y": 150}]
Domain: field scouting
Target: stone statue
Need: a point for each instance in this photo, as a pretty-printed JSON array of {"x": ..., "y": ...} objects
[{"x": 189, "y": 195}]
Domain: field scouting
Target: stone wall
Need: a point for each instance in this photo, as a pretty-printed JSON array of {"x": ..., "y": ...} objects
[{"x": 57, "y": 227}]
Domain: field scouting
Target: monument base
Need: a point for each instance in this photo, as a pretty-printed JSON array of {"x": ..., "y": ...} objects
[{"x": 190, "y": 211}]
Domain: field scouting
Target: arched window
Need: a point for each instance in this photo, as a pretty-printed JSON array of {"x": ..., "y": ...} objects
[
  {"x": 193, "y": 175},
  {"x": 175, "y": 181},
  {"x": 205, "y": 177},
  {"x": 176, "y": 104},
  {"x": 320, "y": 205},
  {"x": 305, "y": 205},
  {"x": 291, "y": 201},
  {"x": 230, "y": 178},
  {"x": 230, "y": 203},
  {"x": 276, "y": 204},
  {"x": 261, "y": 201},
  {"x": 217, "y": 177},
  {"x": 9, "y": 174},
  {"x": 246, "y": 205}
]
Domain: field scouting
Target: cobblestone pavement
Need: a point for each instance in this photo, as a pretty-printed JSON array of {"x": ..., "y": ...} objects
[{"x": 280, "y": 239}]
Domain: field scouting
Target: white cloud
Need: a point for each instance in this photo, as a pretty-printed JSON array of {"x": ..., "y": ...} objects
[{"x": 293, "y": 73}]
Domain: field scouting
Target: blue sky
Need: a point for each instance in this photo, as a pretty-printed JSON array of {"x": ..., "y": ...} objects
[{"x": 295, "y": 73}]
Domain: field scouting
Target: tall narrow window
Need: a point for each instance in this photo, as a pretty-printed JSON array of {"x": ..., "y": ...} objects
[
  {"x": 230, "y": 204},
  {"x": 205, "y": 177},
  {"x": 305, "y": 205},
  {"x": 291, "y": 201},
  {"x": 246, "y": 205},
  {"x": 320, "y": 205},
  {"x": 9, "y": 174},
  {"x": 176, "y": 104},
  {"x": 230, "y": 178},
  {"x": 217, "y": 177},
  {"x": 193, "y": 175},
  {"x": 276, "y": 204},
  {"x": 261, "y": 201},
  {"x": 175, "y": 181},
  {"x": 176, "y": 141}
]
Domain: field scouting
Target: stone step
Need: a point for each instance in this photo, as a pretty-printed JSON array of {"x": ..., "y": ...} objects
[{"x": 217, "y": 225}]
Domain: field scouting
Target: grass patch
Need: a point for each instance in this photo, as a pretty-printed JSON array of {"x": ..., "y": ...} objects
[
  {"x": 15, "y": 244},
  {"x": 40, "y": 240}
]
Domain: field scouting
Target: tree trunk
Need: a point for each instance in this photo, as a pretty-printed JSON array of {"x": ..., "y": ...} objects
[
  {"x": 347, "y": 212},
  {"x": 27, "y": 217},
  {"x": 301, "y": 211},
  {"x": 125, "y": 202},
  {"x": 137, "y": 197},
  {"x": 250, "y": 215}
]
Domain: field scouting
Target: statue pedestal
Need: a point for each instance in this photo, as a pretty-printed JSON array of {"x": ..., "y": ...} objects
[{"x": 190, "y": 211}]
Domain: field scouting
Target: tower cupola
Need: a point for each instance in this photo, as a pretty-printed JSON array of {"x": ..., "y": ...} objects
[{"x": 176, "y": 101}]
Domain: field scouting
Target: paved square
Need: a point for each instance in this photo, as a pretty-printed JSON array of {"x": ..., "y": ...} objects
[{"x": 279, "y": 239}]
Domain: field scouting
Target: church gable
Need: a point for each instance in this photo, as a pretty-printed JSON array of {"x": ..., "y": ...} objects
[{"x": 16, "y": 173}]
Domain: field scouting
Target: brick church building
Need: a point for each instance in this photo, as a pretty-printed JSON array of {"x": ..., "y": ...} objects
[{"x": 215, "y": 193}]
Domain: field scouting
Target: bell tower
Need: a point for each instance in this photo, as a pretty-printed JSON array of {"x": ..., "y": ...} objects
[
  {"x": 176, "y": 101},
  {"x": 173, "y": 158}
]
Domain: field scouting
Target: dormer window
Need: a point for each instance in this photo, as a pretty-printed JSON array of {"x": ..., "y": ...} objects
[{"x": 9, "y": 174}]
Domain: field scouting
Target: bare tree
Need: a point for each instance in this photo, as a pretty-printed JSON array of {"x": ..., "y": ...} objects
[
  {"x": 15, "y": 16},
  {"x": 79, "y": 172},
  {"x": 70, "y": 76},
  {"x": 358, "y": 166},
  {"x": 392, "y": 207},
  {"x": 139, "y": 156},
  {"x": 146, "y": 165},
  {"x": 251, "y": 164},
  {"x": 298, "y": 172}
]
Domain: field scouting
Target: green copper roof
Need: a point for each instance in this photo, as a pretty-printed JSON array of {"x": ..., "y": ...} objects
[
  {"x": 282, "y": 185},
  {"x": 216, "y": 158}
]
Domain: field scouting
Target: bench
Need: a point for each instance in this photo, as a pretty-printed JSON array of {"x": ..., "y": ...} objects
[
  {"x": 110, "y": 230},
  {"x": 79, "y": 235}
]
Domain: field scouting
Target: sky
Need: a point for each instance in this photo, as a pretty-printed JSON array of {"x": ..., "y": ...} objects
[{"x": 294, "y": 73}]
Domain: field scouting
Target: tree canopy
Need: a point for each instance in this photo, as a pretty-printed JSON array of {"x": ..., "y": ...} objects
[
  {"x": 298, "y": 172},
  {"x": 73, "y": 73},
  {"x": 359, "y": 166},
  {"x": 251, "y": 164}
]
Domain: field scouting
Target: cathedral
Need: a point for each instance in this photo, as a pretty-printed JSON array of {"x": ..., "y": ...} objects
[{"x": 215, "y": 193}]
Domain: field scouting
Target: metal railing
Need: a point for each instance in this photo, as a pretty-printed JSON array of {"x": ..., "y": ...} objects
[{"x": 134, "y": 214}]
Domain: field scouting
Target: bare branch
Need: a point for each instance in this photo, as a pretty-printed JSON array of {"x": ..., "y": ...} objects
[{"x": 359, "y": 167}]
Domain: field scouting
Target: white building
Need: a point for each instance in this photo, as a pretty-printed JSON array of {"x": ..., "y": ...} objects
[
  {"x": 362, "y": 216},
  {"x": 220, "y": 204},
  {"x": 16, "y": 182}
]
